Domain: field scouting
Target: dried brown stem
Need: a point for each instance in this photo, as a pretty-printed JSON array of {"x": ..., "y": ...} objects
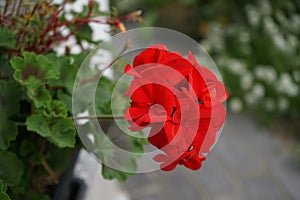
[
  {"x": 97, "y": 75},
  {"x": 50, "y": 172}
]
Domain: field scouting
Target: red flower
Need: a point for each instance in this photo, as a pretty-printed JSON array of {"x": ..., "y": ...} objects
[
  {"x": 180, "y": 100},
  {"x": 143, "y": 100}
]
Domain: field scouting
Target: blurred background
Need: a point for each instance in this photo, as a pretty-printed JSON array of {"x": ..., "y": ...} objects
[{"x": 255, "y": 44}]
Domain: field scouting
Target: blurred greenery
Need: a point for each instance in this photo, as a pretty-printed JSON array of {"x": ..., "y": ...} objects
[{"x": 255, "y": 45}]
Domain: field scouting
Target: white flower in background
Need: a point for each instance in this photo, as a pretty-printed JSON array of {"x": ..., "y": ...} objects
[
  {"x": 279, "y": 40},
  {"x": 256, "y": 94},
  {"x": 244, "y": 36},
  {"x": 253, "y": 15},
  {"x": 293, "y": 42},
  {"x": 75, "y": 49},
  {"x": 236, "y": 104},
  {"x": 281, "y": 43},
  {"x": 71, "y": 42},
  {"x": 283, "y": 104},
  {"x": 235, "y": 66},
  {"x": 270, "y": 25},
  {"x": 295, "y": 22},
  {"x": 246, "y": 80},
  {"x": 222, "y": 61},
  {"x": 281, "y": 18},
  {"x": 270, "y": 104},
  {"x": 296, "y": 75},
  {"x": 206, "y": 43},
  {"x": 266, "y": 73},
  {"x": 69, "y": 16},
  {"x": 258, "y": 91},
  {"x": 100, "y": 60},
  {"x": 265, "y": 7},
  {"x": 64, "y": 30},
  {"x": 216, "y": 37},
  {"x": 287, "y": 86},
  {"x": 249, "y": 99}
]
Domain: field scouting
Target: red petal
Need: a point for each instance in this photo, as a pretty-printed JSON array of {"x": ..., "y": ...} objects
[
  {"x": 218, "y": 116},
  {"x": 168, "y": 166},
  {"x": 193, "y": 163},
  {"x": 158, "y": 137},
  {"x": 135, "y": 112}
]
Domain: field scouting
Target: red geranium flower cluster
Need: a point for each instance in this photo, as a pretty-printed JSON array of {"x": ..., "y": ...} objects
[{"x": 180, "y": 100}]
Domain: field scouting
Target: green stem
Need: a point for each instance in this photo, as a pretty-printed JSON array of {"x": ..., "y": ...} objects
[
  {"x": 99, "y": 117},
  {"x": 20, "y": 123}
]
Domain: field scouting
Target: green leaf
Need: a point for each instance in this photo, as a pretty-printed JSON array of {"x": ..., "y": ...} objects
[
  {"x": 103, "y": 96},
  {"x": 38, "y": 93},
  {"x": 66, "y": 98},
  {"x": 3, "y": 188},
  {"x": 104, "y": 149},
  {"x": 8, "y": 132},
  {"x": 9, "y": 97},
  {"x": 51, "y": 72},
  {"x": 38, "y": 124},
  {"x": 11, "y": 168},
  {"x": 63, "y": 133},
  {"x": 8, "y": 38},
  {"x": 4, "y": 196},
  {"x": 67, "y": 70},
  {"x": 36, "y": 158},
  {"x": 27, "y": 147},
  {"x": 56, "y": 109},
  {"x": 5, "y": 68},
  {"x": 32, "y": 195},
  {"x": 110, "y": 173},
  {"x": 34, "y": 66},
  {"x": 17, "y": 63},
  {"x": 84, "y": 98},
  {"x": 59, "y": 159},
  {"x": 33, "y": 72},
  {"x": 104, "y": 91}
]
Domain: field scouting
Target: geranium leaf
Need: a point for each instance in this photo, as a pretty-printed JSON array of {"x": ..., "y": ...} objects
[
  {"x": 66, "y": 98},
  {"x": 56, "y": 109},
  {"x": 11, "y": 168},
  {"x": 110, "y": 173},
  {"x": 4, "y": 196},
  {"x": 8, "y": 38},
  {"x": 8, "y": 132},
  {"x": 32, "y": 65},
  {"x": 9, "y": 97},
  {"x": 5, "y": 68},
  {"x": 27, "y": 147},
  {"x": 37, "y": 92},
  {"x": 38, "y": 124},
  {"x": 3, "y": 188},
  {"x": 63, "y": 133},
  {"x": 67, "y": 71},
  {"x": 37, "y": 196}
]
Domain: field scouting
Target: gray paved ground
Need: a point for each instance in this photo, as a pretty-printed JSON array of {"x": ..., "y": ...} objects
[{"x": 248, "y": 163}]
